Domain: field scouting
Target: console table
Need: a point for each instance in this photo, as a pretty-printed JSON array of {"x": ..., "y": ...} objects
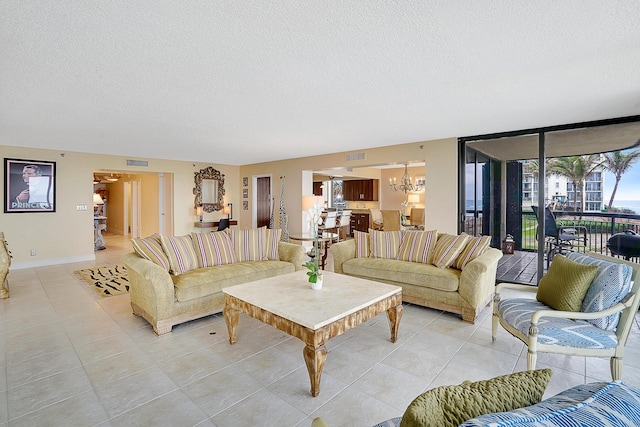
[{"x": 212, "y": 224}]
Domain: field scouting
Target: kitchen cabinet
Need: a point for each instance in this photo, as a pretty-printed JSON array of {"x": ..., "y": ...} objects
[
  {"x": 317, "y": 191},
  {"x": 360, "y": 190},
  {"x": 359, "y": 221}
]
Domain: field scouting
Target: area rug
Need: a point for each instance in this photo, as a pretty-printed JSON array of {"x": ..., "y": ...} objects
[{"x": 107, "y": 281}]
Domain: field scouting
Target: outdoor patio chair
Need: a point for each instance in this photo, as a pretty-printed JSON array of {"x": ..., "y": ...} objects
[
  {"x": 560, "y": 239},
  {"x": 599, "y": 328}
]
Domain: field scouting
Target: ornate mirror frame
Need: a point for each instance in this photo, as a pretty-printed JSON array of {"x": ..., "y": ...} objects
[{"x": 209, "y": 174}]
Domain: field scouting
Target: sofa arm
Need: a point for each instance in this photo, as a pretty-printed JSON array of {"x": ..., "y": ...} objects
[
  {"x": 478, "y": 278},
  {"x": 150, "y": 286},
  {"x": 342, "y": 252},
  {"x": 291, "y": 253}
]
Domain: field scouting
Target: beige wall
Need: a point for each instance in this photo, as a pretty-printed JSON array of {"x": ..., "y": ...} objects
[
  {"x": 440, "y": 157},
  {"x": 67, "y": 235}
]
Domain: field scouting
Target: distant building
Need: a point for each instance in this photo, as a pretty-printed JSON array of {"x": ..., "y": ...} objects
[{"x": 560, "y": 192}]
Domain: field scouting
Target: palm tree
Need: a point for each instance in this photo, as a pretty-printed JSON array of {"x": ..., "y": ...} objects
[
  {"x": 619, "y": 163},
  {"x": 576, "y": 169}
]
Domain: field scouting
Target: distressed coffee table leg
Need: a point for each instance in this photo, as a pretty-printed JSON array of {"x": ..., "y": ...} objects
[
  {"x": 315, "y": 357},
  {"x": 231, "y": 316},
  {"x": 394, "y": 314}
]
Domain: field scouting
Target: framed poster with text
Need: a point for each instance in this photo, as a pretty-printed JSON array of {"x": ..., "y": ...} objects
[{"x": 29, "y": 186}]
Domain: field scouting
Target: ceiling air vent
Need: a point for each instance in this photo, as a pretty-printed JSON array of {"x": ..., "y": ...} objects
[
  {"x": 357, "y": 156},
  {"x": 144, "y": 163}
]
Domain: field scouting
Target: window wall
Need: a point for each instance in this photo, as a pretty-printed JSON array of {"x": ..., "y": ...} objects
[{"x": 519, "y": 162}]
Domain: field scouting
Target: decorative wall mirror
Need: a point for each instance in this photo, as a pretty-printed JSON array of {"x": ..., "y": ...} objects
[{"x": 209, "y": 189}]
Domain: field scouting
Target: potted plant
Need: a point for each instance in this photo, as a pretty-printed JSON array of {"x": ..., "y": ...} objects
[{"x": 314, "y": 273}]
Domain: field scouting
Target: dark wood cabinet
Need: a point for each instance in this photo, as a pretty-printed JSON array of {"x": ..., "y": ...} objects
[
  {"x": 360, "y": 222},
  {"x": 317, "y": 191},
  {"x": 360, "y": 190}
]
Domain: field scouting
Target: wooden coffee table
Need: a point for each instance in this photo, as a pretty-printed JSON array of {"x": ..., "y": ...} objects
[{"x": 288, "y": 303}]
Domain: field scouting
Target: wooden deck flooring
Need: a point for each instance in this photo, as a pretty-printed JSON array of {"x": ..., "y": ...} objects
[{"x": 521, "y": 267}]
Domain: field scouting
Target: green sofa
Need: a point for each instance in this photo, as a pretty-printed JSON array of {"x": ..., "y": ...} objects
[
  {"x": 464, "y": 292},
  {"x": 165, "y": 300}
]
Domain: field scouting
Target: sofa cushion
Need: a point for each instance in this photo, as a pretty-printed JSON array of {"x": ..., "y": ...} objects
[
  {"x": 271, "y": 239},
  {"x": 248, "y": 243},
  {"x": 452, "y": 405},
  {"x": 593, "y": 404},
  {"x": 448, "y": 247},
  {"x": 611, "y": 284},
  {"x": 179, "y": 250},
  {"x": 565, "y": 284},
  {"x": 213, "y": 248},
  {"x": 202, "y": 282},
  {"x": 473, "y": 248},
  {"x": 417, "y": 246},
  {"x": 411, "y": 273},
  {"x": 385, "y": 244},
  {"x": 150, "y": 248},
  {"x": 362, "y": 244}
]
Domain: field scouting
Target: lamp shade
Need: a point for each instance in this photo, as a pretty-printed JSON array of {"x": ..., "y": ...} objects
[
  {"x": 310, "y": 201},
  {"x": 226, "y": 210},
  {"x": 97, "y": 200},
  {"x": 413, "y": 198},
  {"x": 198, "y": 210}
]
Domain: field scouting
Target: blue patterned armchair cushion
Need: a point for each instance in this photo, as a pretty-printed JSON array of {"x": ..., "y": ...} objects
[
  {"x": 611, "y": 284},
  {"x": 595, "y": 404},
  {"x": 517, "y": 312}
]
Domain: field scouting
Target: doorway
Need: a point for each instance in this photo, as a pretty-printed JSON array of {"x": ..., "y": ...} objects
[{"x": 263, "y": 201}]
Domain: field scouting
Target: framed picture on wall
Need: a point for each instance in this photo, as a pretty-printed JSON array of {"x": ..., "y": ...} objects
[
  {"x": 29, "y": 186},
  {"x": 245, "y": 205},
  {"x": 245, "y": 193},
  {"x": 245, "y": 181}
]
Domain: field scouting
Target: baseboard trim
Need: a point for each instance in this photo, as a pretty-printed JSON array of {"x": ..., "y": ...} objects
[{"x": 51, "y": 261}]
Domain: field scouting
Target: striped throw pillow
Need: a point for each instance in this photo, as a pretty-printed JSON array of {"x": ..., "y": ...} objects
[
  {"x": 417, "y": 246},
  {"x": 213, "y": 248},
  {"x": 150, "y": 248},
  {"x": 272, "y": 237},
  {"x": 448, "y": 247},
  {"x": 179, "y": 250},
  {"x": 474, "y": 247},
  {"x": 362, "y": 244},
  {"x": 385, "y": 244},
  {"x": 248, "y": 243}
]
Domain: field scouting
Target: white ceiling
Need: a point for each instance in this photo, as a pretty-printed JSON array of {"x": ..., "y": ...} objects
[{"x": 239, "y": 82}]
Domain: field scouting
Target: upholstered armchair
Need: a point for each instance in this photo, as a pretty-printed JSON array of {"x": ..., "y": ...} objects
[{"x": 597, "y": 326}]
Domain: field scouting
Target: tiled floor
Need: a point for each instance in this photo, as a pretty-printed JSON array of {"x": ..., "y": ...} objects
[{"x": 70, "y": 357}]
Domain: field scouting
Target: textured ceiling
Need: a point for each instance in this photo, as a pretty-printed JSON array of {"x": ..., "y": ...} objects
[{"x": 238, "y": 82}]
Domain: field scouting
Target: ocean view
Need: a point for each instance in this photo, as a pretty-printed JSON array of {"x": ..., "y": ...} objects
[{"x": 634, "y": 205}]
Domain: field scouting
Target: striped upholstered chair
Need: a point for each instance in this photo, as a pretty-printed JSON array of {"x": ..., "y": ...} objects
[{"x": 599, "y": 327}]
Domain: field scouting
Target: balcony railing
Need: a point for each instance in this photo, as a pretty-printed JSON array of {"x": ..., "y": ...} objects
[{"x": 600, "y": 227}]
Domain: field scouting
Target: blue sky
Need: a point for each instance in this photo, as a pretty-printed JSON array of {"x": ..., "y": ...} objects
[{"x": 629, "y": 187}]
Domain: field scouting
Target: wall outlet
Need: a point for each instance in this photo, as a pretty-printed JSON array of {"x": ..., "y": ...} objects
[
  {"x": 81, "y": 207},
  {"x": 33, "y": 252}
]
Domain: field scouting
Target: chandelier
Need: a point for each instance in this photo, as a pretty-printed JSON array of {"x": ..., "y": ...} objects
[{"x": 406, "y": 183}]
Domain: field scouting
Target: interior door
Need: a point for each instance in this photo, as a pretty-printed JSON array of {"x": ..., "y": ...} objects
[{"x": 263, "y": 199}]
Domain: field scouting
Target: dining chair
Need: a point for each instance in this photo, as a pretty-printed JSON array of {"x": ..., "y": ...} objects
[
  {"x": 329, "y": 224},
  {"x": 344, "y": 222},
  {"x": 377, "y": 221}
]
